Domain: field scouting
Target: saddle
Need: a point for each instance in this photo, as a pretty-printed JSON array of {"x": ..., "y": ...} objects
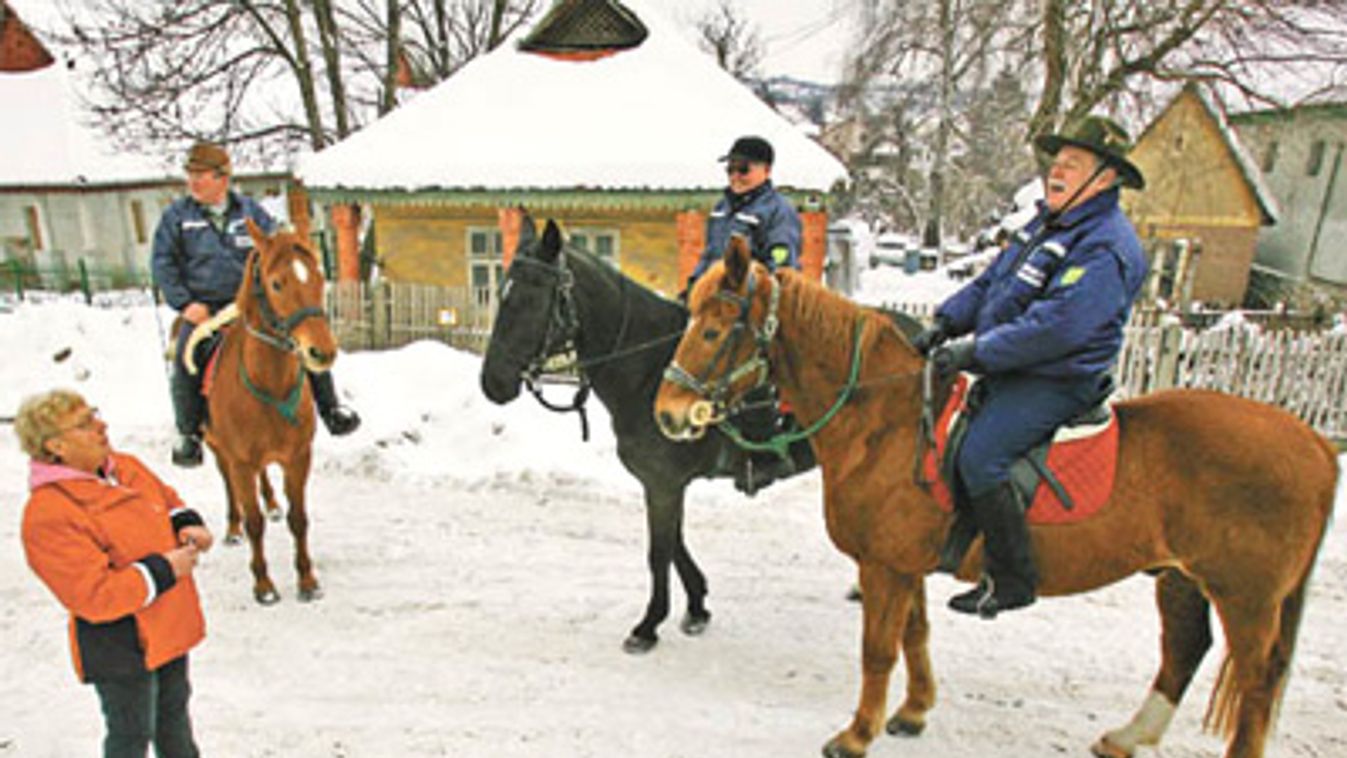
[{"x": 1064, "y": 480}]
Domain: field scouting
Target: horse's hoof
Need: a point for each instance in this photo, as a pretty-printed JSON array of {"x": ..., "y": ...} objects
[
  {"x": 274, "y": 515},
  {"x": 1102, "y": 748},
  {"x": 267, "y": 597},
  {"x": 834, "y": 749},
  {"x": 898, "y": 725},
  {"x": 636, "y": 644},
  {"x": 694, "y": 625},
  {"x": 233, "y": 539},
  {"x": 854, "y": 594},
  {"x": 311, "y": 594}
]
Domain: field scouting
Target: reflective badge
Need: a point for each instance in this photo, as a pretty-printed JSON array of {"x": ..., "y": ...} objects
[
  {"x": 780, "y": 255},
  {"x": 1072, "y": 275}
]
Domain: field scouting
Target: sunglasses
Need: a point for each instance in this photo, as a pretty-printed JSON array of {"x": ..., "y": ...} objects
[{"x": 738, "y": 168}]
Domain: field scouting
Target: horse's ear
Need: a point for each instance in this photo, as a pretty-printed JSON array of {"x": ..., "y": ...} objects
[
  {"x": 255, "y": 231},
  {"x": 551, "y": 242},
  {"x": 528, "y": 232},
  {"x": 737, "y": 261}
]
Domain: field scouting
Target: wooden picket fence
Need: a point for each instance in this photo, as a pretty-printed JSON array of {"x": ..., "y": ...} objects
[{"x": 386, "y": 315}]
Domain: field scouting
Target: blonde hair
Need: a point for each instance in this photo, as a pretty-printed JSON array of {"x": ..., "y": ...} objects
[{"x": 39, "y": 420}]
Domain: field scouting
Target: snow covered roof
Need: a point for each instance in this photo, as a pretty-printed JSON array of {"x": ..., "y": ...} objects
[
  {"x": 656, "y": 116},
  {"x": 45, "y": 143}
]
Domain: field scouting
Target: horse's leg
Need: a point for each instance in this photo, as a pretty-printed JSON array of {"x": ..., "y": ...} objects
[
  {"x": 1185, "y": 638},
  {"x": 296, "y": 478},
  {"x": 234, "y": 511},
  {"x": 887, "y": 597},
  {"x": 243, "y": 484},
  {"x": 663, "y": 514},
  {"x": 910, "y": 718},
  {"x": 694, "y": 581},
  {"x": 1260, "y": 634},
  {"x": 269, "y": 496}
]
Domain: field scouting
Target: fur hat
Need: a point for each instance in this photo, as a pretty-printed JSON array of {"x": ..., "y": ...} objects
[
  {"x": 208, "y": 156},
  {"x": 1103, "y": 137}
]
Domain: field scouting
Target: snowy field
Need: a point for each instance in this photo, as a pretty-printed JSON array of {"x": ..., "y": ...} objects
[{"x": 482, "y": 566}]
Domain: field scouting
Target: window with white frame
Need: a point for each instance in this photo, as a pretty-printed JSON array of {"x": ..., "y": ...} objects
[
  {"x": 602, "y": 242},
  {"x": 486, "y": 269}
]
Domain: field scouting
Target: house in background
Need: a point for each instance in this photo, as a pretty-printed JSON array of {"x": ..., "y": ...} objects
[
  {"x": 603, "y": 117},
  {"x": 67, "y": 200},
  {"x": 1201, "y": 186},
  {"x": 20, "y": 49},
  {"x": 1300, "y": 152}
]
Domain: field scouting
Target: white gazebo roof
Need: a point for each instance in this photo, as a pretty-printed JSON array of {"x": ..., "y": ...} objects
[{"x": 653, "y": 117}]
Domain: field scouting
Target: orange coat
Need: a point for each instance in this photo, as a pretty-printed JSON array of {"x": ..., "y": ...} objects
[{"x": 98, "y": 544}]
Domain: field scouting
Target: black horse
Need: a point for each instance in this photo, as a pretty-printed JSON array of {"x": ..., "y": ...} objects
[
  {"x": 623, "y": 336},
  {"x": 557, "y": 298}
]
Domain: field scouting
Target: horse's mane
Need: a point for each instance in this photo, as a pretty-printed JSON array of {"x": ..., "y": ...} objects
[{"x": 827, "y": 316}]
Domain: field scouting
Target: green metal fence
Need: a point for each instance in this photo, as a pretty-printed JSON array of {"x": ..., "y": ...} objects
[{"x": 82, "y": 276}]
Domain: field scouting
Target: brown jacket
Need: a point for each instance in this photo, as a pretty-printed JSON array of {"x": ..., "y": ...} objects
[{"x": 98, "y": 544}]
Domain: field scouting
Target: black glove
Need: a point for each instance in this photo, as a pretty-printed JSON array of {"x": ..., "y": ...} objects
[
  {"x": 930, "y": 338},
  {"x": 954, "y": 357}
]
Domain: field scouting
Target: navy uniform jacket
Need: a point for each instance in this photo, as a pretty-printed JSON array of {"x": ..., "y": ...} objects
[
  {"x": 1054, "y": 303},
  {"x": 762, "y": 215},
  {"x": 193, "y": 261}
]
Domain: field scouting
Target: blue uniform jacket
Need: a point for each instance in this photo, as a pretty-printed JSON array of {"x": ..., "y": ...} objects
[
  {"x": 763, "y": 215},
  {"x": 1055, "y": 301},
  {"x": 192, "y": 261}
]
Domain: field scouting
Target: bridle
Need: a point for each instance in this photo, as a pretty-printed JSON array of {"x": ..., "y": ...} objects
[
  {"x": 715, "y": 383},
  {"x": 276, "y": 332}
]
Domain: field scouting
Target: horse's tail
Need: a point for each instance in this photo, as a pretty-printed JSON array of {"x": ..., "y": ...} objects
[{"x": 1222, "y": 711}]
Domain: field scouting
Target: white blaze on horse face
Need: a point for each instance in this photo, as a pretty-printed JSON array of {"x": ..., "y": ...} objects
[{"x": 302, "y": 272}]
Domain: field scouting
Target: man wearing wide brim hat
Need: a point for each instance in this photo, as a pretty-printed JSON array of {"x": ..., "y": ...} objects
[{"x": 1042, "y": 326}]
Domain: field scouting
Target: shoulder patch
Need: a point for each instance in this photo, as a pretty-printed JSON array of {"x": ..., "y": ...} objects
[{"x": 1072, "y": 275}]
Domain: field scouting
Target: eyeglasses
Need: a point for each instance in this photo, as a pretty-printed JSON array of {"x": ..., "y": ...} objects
[
  {"x": 738, "y": 168},
  {"x": 88, "y": 422}
]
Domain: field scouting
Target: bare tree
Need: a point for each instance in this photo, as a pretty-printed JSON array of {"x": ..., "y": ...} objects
[{"x": 724, "y": 32}]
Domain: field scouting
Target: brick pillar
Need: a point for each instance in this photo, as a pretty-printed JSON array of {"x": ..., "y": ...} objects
[
  {"x": 297, "y": 205},
  {"x": 346, "y": 222},
  {"x": 691, "y": 242},
  {"x": 813, "y": 243},
  {"x": 510, "y": 221}
]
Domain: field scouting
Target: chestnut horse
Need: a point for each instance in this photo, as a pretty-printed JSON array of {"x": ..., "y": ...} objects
[
  {"x": 261, "y": 408},
  {"x": 1225, "y": 498}
]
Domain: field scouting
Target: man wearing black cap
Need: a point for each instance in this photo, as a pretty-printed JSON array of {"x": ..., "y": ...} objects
[
  {"x": 197, "y": 260},
  {"x": 752, "y": 208},
  {"x": 1045, "y": 325}
]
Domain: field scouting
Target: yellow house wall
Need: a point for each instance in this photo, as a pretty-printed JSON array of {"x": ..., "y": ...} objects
[
  {"x": 428, "y": 243},
  {"x": 1195, "y": 189}
]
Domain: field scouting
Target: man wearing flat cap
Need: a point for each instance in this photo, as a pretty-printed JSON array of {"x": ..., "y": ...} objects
[
  {"x": 200, "y": 247},
  {"x": 752, "y": 208},
  {"x": 1043, "y": 326}
]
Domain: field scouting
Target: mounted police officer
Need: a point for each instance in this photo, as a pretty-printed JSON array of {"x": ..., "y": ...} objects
[
  {"x": 752, "y": 208},
  {"x": 1043, "y": 326},
  {"x": 200, "y": 247}
]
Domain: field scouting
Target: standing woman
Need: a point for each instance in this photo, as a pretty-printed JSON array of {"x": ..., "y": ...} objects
[{"x": 117, "y": 547}]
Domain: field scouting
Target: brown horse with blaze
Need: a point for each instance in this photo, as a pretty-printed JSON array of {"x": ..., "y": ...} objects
[
  {"x": 261, "y": 407},
  {"x": 1226, "y": 499}
]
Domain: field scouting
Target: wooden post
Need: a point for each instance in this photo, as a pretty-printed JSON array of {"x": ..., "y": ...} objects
[
  {"x": 1194, "y": 250},
  {"x": 1181, "y": 248},
  {"x": 1158, "y": 251},
  {"x": 691, "y": 236},
  {"x": 380, "y": 331},
  {"x": 1167, "y": 359}
]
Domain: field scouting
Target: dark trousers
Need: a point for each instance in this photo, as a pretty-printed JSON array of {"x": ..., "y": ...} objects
[
  {"x": 1017, "y": 412},
  {"x": 148, "y": 708}
]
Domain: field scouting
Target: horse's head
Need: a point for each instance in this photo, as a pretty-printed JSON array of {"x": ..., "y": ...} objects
[
  {"x": 281, "y": 297},
  {"x": 723, "y": 352},
  {"x": 529, "y": 317}
]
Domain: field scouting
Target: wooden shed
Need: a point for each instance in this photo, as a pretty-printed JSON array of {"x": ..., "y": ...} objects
[{"x": 1201, "y": 186}]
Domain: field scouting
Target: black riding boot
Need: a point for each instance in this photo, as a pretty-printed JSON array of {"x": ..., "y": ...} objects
[
  {"x": 188, "y": 413},
  {"x": 339, "y": 420},
  {"x": 1010, "y": 577}
]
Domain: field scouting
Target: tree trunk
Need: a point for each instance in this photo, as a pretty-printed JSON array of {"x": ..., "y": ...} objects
[
  {"x": 389, "y": 101},
  {"x": 497, "y": 13},
  {"x": 304, "y": 76},
  {"x": 330, "y": 42},
  {"x": 1054, "y": 68},
  {"x": 931, "y": 234}
]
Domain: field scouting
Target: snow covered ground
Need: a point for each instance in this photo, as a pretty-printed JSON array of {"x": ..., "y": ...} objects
[{"x": 482, "y": 566}]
